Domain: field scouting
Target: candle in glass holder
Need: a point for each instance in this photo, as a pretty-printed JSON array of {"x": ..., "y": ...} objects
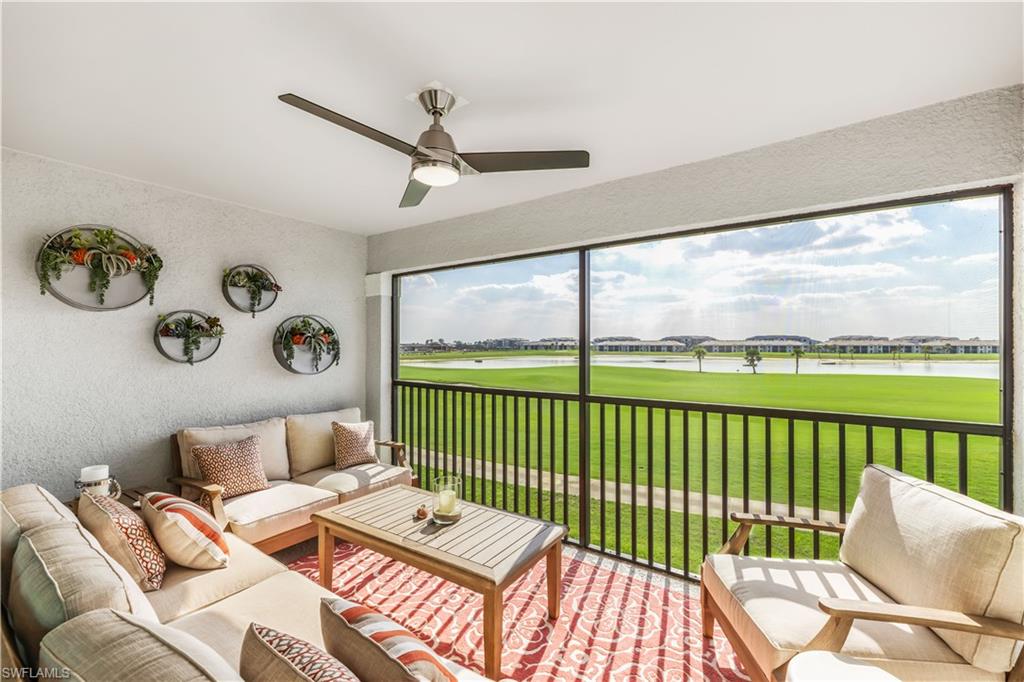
[{"x": 446, "y": 502}]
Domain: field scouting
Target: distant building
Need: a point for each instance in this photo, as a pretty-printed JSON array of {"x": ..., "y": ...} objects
[
  {"x": 601, "y": 339},
  {"x": 688, "y": 341},
  {"x": 561, "y": 343},
  {"x": 512, "y": 343},
  {"x": 430, "y": 346},
  {"x": 765, "y": 345},
  {"x": 908, "y": 344},
  {"x": 638, "y": 346}
]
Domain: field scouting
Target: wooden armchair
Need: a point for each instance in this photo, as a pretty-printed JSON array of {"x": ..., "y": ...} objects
[{"x": 909, "y": 550}]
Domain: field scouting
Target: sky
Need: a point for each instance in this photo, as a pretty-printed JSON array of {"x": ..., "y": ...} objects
[{"x": 929, "y": 269}]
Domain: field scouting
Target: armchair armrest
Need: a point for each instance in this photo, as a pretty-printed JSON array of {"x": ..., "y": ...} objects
[
  {"x": 748, "y": 521},
  {"x": 212, "y": 490},
  {"x": 921, "y": 615},
  {"x": 397, "y": 451}
]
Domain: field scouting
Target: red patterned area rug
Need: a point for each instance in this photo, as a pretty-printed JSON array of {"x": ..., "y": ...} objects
[{"x": 618, "y": 622}]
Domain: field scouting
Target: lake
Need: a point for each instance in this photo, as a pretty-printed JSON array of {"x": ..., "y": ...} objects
[{"x": 976, "y": 369}]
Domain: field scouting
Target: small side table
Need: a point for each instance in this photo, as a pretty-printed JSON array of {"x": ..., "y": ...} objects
[{"x": 129, "y": 497}]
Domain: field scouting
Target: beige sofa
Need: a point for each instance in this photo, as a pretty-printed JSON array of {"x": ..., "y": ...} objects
[
  {"x": 929, "y": 586},
  {"x": 298, "y": 458},
  {"x": 54, "y": 570}
]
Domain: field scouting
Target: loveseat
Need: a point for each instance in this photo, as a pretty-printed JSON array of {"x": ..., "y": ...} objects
[
  {"x": 55, "y": 575},
  {"x": 929, "y": 586},
  {"x": 298, "y": 457}
]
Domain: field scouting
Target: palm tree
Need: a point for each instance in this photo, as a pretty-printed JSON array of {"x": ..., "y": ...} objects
[
  {"x": 699, "y": 353},
  {"x": 947, "y": 348},
  {"x": 798, "y": 353},
  {"x": 751, "y": 358}
]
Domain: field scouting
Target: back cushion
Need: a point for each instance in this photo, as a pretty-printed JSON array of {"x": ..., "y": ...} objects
[
  {"x": 927, "y": 546},
  {"x": 105, "y": 645},
  {"x": 23, "y": 508},
  {"x": 59, "y": 572},
  {"x": 311, "y": 440},
  {"x": 273, "y": 447}
]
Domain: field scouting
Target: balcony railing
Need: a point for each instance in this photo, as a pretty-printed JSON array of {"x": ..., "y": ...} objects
[{"x": 654, "y": 481}]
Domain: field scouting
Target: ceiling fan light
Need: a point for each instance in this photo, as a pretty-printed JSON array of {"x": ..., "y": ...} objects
[{"x": 435, "y": 173}]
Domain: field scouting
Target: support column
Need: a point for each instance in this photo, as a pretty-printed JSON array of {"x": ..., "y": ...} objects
[{"x": 378, "y": 353}]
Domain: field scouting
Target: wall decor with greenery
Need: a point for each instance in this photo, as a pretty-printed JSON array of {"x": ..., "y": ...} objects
[
  {"x": 306, "y": 344},
  {"x": 187, "y": 336},
  {"x": 250, "y": 288}
]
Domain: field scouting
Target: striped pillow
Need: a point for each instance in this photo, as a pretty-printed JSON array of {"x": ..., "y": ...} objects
[
  {"x": 272, "y": 656},
  {"x": 186, "y": 532},
  {"x": 377, "y": 648}
]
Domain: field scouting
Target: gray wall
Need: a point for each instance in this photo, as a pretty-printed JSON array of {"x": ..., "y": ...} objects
[
  {"x": 84, "y": 388},
  {"x": 973, "y": 141}
]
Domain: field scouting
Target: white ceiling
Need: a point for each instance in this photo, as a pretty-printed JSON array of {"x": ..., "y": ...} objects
[{"x": 185, "y": 95}]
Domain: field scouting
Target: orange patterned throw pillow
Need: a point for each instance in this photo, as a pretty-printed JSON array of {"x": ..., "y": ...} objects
[
  {"x": 236, "y": 466},
  {"x": 123, "y": 535},
  {"x": 272, "y": 656},
  {"x": 377, "y": 648},
  {"x": 353, "y": 444},
  {"x": 185, "y": 531}
]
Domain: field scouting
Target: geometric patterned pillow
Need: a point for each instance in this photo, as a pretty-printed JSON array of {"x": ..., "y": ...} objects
[
  {"x": 124, "y": 536},
  {"x": 185, "y": 531},
  {"x": 236, "y": 466},
  {"x": 376, "y": 647},
  {"x": 353, "y": 444},
  {"x": 272, "y": 656}
]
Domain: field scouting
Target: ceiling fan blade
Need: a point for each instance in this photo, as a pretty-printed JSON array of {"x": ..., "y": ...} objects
[
  {"x": 497, "y": 162},
  {"x": 346, "y": 122},
  {"x": 414, "y": 193}
]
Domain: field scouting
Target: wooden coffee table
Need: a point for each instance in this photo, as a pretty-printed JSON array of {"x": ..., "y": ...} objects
[{"x": 485, "y": 551}]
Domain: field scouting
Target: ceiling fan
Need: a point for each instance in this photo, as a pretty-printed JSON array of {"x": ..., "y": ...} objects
[{"x": 435, "y": 160}]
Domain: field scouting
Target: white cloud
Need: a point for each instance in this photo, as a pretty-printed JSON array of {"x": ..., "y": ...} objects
[
  {"x": 979, "y": 204},
  {"x": 929, "y": 259},
  {"x": 425, "y": 281},
  {"x": 990, "y": 257},
  {"x": 868, "y": 232}
]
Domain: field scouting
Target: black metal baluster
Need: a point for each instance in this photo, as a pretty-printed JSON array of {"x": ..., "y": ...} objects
[
  {"x": 462, "y": 449},
  {"x": 929, "y": 456},
  {"x": 703, "y": 484},
  {"x": 551, "y": 457},
  {"x": 815, "y": 482},
  {"x": 791, "y": 483},
  {"x": 494, "y": 451},
  {"x": 746, "y": 472},
  {"x": 483, "y": 449},
  {"x": 898, "y": 442},
  {"x": 686, "y": 492},
  {"x": 650, "y": 486},
  {"x": 668, "y": 490},
  {"x": 444, "y": 431},
  {"x": 870, "y": 446},
  {"x": 962, "y": 459},
  {"x": 419, "y": 439},
  {"x": 515, "y": 454},
  {"x": 725, "y": 477},
  {"x": 604, "y": 477},
  {"x": 632, "y": 478},
  {"x": 540, "y": 458},
  {"x": 565, "y": 464},
  {"x": 435, "y": 441},
  {"x": 527, "y": 462},
  {"x": 472, "y": 443},
  {"x": 618, "y": 482},
  {"x": 504, "y": 451},
  {"x": 842, "y": 474},
  {"x": 768, "y": 483}
]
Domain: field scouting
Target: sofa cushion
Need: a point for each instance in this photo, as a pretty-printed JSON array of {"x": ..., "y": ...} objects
[
  {"x": 123, "y": 534},
  {"x": 106, "y": 645},
  {"x": 272, "y": 656},
  {"x": 23, "y": 508},
  {"x": 311, "y": 440},
  {"x": 819, "y": 666},
  {"x": 287, "y": 602},
  {"x": 281, "y": 507},
  {"x": 356, "y": 481},
  {"x": 773, "y": 604},
  {"x": 187, "y": 534},
  {"x": 378, "y": 649},
  {"x": 273, "y": 446},
  {"x": 188, "y": 589},
  {"x": 59, "y": 572},
  {"x": 927, "y": 546},
  {"x": 236, "y": 466}
]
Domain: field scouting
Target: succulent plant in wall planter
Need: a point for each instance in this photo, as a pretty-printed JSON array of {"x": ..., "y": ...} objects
[
  {"x": 256, "y": 281},
  {"x": 104, "y": 252},
  {"x": 310, "y": 334},
  {"x": 191, "y": 329}
]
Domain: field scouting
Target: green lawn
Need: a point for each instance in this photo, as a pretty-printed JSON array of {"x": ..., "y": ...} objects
[{"x": 929, "y": 397}]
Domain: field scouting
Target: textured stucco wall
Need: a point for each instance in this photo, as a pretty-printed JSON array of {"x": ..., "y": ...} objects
[
  {"x": 83, "y": 388},
  {"x": 972, "y": 141}
]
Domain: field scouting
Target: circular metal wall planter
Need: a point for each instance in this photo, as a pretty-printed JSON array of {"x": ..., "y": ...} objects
[
  {"x": 236, "y": 285},
  {"x": 306, "y": 344},
  {"x": 175, "y": 332},
  {"x": 72, "y": 282}
]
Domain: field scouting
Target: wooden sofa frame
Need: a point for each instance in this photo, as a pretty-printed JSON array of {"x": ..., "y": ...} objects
[
  {"x": 842, "y": 612},
  {"x": 274, "y": 543}
]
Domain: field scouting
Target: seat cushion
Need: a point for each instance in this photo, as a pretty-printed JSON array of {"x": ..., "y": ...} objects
[
  {"x": 927, "y": 546},
  {"x": 773, "y": 606},
  {"x": 825, "y": 666},
  {"x": 187, "y": 589},
  {"x": 59, "y": 572},
  {"x": 311, "y": 440},
  {"x": 272, "y": 656},
  {"x": 281, "y": 507},
  {"x": 106, "y": 645},
  {"x": 23, "y": 508},
  {"x": 358, "y": 480},
  {"x": 287, "y": 602},
  {"x": 273, "y": 446}
]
